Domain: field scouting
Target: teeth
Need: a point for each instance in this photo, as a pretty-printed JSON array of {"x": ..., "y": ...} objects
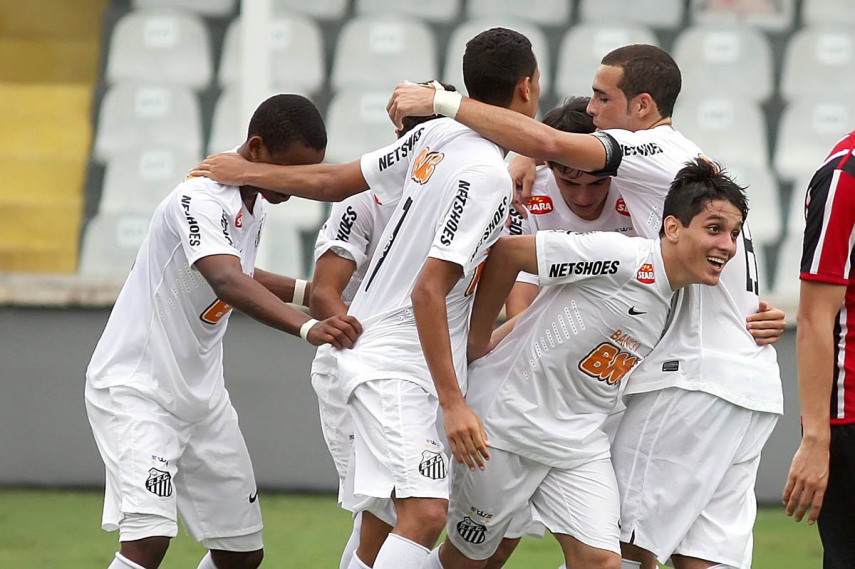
[{"x": 716, "y": 260}]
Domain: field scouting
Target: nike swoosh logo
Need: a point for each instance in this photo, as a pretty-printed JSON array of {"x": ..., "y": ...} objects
[
  {"x": 252, "y": 497},
  {"x": 634, "y": 312}
]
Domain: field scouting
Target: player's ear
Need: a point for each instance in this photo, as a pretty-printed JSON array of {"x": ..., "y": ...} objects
[
  {"x": 644, "y": 105},
  {"x": 672, "y": 228},
  {"x": 255, "y": 145}
]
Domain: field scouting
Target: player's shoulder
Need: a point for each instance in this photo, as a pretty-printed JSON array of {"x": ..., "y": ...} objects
[{"x": 202, "y": 189}]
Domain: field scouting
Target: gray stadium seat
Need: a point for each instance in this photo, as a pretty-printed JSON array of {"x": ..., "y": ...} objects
[
  {"x": 110, "y": 244},
  {"x": 134, "y": 116},
  {"x": 764, "y": 201},
  {"x": 160, "y": 46},
  {"x": 584, "y": 46},
  {"x": 228, "y": 127},
  {"x": 357, "y": 123},
  {"x": 653, "y": 13},
  {"x": 728, "y": 129},
  {"x": 785, "y": 290},
  {"x": 543, "y": 12},
  {"x": 215, "y": 8},
  {"x": 281, "y": 248},
  {"x": 828, "y": 12},
  {"x": 796, "y": 213},
  {"x": 453, "y": 67},
  {"x": 819, "y": 59},
  {"x": 319, "y": 9},
  {"x": 439, "y": 11},
  {"x": 807, "y": 130},
  {"x": 297, "y": 62},
  {"x": 769, "y": 15},
  {"x": 725, "y": 59},
  {"x": 137, "y": 181},
  {"x": 379, "y": 52}
]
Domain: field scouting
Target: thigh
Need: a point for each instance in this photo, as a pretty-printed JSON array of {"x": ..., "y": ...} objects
[
  {"x": 836, "y": 521},
  {"x": 336, "y": 424},
  {"x": 218, "y": 496}
]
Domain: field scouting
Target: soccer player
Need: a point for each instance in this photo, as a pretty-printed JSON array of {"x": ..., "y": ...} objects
[
  {"x": 453, "y": 193},
  {"x": 554, "y": 373},
  {"x": 822, "y": 474},
  {"x": 705, "y": 402},
  {"x": 155, "y": 394}
]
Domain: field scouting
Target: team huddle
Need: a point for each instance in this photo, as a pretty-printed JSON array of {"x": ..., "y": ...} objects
[{"x": 622, "y": 405}]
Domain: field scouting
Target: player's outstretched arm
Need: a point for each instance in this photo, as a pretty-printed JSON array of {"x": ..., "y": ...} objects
[
  {"x": 808, "y": 475},
  {"x": 466, "y": 436},
  {"x": 286, "y": 289},
  {"x": 231, "y": 285},
  {"x": 321, "y": 182},
  {"x": 508, "y": 129},
  {"x": 767, "y": 324},
  {"x": 331, "y": 275}
]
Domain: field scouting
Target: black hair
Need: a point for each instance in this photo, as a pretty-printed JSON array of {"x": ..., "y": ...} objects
[
  {"x": 283, "y": 120},
  {"x": 647, "y": 69},
  {"x": 572, "y": 116},
  {"x": 409, "y": 123},
  {"x": 697, "y": 184},
  {"x": 494, "y": 62}
]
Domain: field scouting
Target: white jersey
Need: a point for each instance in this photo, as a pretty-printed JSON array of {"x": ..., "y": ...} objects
[
  {"x": 453, "y": 193},
  {"x": 708, "y": 347},
  {"x": 351, "y": 231},
  {"x": 547, "y": 210},
  {"x": 164, "y": 335},
  {"x": 546, "y": 389}
]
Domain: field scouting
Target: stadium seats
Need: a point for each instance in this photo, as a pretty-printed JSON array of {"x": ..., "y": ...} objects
[
  {"x": 772, "y": 16},
  {"x": 228, "y": 126},
  {"x": 583, "y": 47},
  {"x": 137, "y": 181},
  {"x": 653, "y": 13},
  {"x": 439, "y": 11},
  {"x": 297, "y": 62},
  {"x": 160, "y": 46},
  {"x": 827, "y": 12},
  {"x": 785, "y": 289},
  {"x": 320, "y": 9},
  {"x": 357, "y": 123},
  {"x": 796, "y": 213},
  {"x": 281, "y": 248},
  {"x": 133, "y": 116},
  {"x": 110, "y": 244},
  {"x": 764, "y": 201},
  {"x": 214, "y": 8},
  {"x": 807, "y": 130},
  {"x": 543, "y": 12},
  {"x": 453, "y": 66},
  {"x": 819, "y": 59},
  {"x": 379, "y": 52},
  {"x": 734, "y": 60},
  {"x": 727, "y": 129}
]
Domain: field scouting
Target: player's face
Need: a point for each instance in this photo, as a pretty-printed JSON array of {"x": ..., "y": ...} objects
[
  {"x": 608, "y": 104},
  {"x": 709, "y": 242},
  {"x": 294, "y": 155},
  {"x": 583, "y": 193}
]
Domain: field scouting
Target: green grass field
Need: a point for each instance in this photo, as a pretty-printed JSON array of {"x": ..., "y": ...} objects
[{"x": 47, "y": 528}]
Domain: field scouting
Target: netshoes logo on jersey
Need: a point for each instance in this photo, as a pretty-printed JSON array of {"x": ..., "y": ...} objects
[
  {"x": 645, "y": 274},
  {"x": 620, "y": 207},
  {"x": 425, "y": 165},
  {"x": 539, "y": 205}
]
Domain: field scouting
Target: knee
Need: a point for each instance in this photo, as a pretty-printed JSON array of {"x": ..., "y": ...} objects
[
  {"x": 148, "y": 551},
  {"x": 237, "y": 559},
  {"x": 254, "y": 559},
  {"x": 421, "y": 519},
  {"x": 434, "y": 516}
]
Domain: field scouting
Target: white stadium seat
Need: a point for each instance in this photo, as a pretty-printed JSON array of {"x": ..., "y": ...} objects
[
  {"x": 653, "y": 13},
  {"x": 357, "y": 123},
  {"x": 439, "y": 11},
  {"x": 214, "y": 8},
  {"x": 281, "y": 248},
  {"x": 777, "y": 16},
  {"x": 542, "y": 12},
  {"x": 137, "y": 181},
  {"x": 110, "y": 244},
  {"x": 819, "y": 59}
]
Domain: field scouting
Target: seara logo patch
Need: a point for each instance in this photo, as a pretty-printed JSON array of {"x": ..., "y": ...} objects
[
  {"x": 620, "y": 207},
  {"x": 645, "y": 274},
  {"x": 425, "y": 165},
  {"x": 539, "y": 204}
]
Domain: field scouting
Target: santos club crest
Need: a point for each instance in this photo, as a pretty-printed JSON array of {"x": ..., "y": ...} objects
[
  {"x": 472, "y": 531},
  {"x": 159, "y": 483},
  {"x": 432, "y": 465}
]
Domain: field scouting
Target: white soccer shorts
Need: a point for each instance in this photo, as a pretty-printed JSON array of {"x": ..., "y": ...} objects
[
  {"x": 686, "y": 464},
  {"x": 581, "y": 502},
  {"x": 336, "y": 424},
  {"x": 158, "y": 464}
]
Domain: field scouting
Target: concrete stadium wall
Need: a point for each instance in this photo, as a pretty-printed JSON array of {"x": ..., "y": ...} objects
[{"x": 46, "y": 440}]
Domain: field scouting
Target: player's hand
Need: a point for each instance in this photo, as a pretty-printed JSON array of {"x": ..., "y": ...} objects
[
  {"x": 807, "y": 480},
  {"x": 338, "y": 331},
  {"x": 227, "y": 168},
  {"x": 767, "y": 324},
  {"x": 466, "y": 436},
  {"x": 523, "y": 171},
  {"x": 410, "y": 100}
]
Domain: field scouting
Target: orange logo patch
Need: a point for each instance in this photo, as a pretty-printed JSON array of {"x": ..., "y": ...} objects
[
  {"x": 539, "y": 204},
  {"x": 620, "y": 207},
  {"x": 645, "y": 274},
  {"x": 215, "y": 312},
  {"x": 607, "y": 363},
  {"x": 426, "y": 163}
]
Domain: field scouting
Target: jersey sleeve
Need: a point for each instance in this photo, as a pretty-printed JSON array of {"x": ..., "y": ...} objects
[
  {"x": 386, "y": 169},
  {"x": 202, "y": 224},
  {"x": 476, "y": 214},
  {"x": 828, "y": 238},
  {"x": 347, "y": 231},
  {"x": 565, "y": 257}
]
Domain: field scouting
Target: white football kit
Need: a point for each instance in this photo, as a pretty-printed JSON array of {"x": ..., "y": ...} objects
[
  {"x": 155, "y": 393},
  {"x": 545, "y": 391},
  {"x": 706, "y": 351},
  {"x": 452, "y": 194}
]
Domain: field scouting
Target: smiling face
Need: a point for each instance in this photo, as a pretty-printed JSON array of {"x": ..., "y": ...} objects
[{"x": 583, "y": 193}]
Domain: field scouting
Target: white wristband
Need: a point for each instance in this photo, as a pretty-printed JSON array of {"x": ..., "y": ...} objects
[
  {"x": 446, "y": 103},
  {"x": 299, "y": 292},
  {"x": 307, "y": 325}
]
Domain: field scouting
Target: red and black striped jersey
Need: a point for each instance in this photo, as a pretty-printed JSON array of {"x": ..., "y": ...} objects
[{"x": 828, "y": 254}]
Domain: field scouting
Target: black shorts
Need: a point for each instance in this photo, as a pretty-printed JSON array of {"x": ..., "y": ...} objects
[{"x": 837, "y": 518}]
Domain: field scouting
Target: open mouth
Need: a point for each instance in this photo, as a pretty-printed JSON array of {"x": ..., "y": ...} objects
[{"x": 717, "y": 263}]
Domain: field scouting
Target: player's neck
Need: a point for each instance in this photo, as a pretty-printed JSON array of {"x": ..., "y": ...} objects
[{"x": 672, "y": 263}]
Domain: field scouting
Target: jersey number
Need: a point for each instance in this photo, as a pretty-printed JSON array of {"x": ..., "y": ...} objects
[
  {"x": 752, "y": 283},
  {"x": 215, "y": 312},
  {"x": 607, "y": 363},
  {"x": 406, "y": 208}
]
